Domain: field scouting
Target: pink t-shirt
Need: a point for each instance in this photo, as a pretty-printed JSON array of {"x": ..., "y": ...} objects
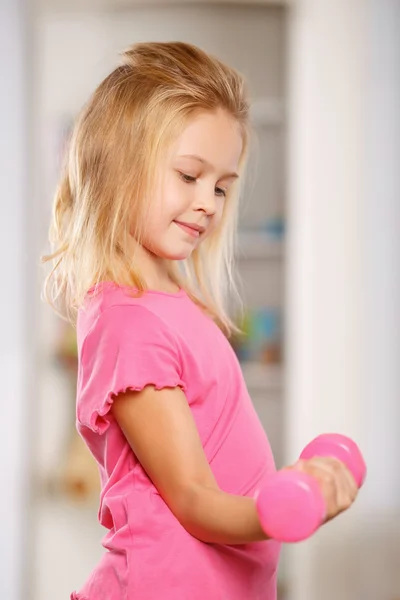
[{"x": 166, "y": 340}]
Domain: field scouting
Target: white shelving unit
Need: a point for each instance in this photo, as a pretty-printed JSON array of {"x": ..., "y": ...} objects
[
  {"x": 258, "y": 250},
  {"x": 261, "y": 256},
  {"x": 120, "y": 5},
  {"x": 262, "y": 377},
  {"x": 254, "y": 245}
]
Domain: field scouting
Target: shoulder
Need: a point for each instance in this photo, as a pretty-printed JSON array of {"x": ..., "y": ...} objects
[
  {"x": 117, "y": 308},
  {"x": 122, "y": 345},
  {"x": 115, "y": 323}
]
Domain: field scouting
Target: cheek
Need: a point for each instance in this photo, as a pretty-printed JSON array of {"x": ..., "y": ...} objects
[
  {"x": 163, "y": 205},
  {"x": 153, "y": 226},
  {"x": 160, "y": 215},
  {"x": 175, "y": 198},
  {"x": 158, "y": 222},
  {"x": 216, "y": 220}
]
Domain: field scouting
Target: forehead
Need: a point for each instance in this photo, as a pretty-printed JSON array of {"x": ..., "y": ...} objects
[{"x": 215, "y": 136}]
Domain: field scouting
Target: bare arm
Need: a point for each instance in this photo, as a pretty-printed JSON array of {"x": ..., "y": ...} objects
[{"x": 162, "y": 433}]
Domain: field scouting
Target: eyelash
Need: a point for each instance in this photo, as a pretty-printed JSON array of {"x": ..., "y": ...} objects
[{"x": 189, "y": 179}]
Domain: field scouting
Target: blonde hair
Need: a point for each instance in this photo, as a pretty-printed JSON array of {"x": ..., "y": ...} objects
[{"x": 116, "y": 143}]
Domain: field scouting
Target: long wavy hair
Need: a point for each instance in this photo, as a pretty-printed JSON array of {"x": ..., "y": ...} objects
[{"x": 118, "y": 139}]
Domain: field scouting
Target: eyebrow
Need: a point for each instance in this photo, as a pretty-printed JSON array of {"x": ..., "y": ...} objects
[{"x": 205, "y": 162}]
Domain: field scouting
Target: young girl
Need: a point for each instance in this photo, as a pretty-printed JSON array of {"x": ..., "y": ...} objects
[{"x": 143, "y": 233}]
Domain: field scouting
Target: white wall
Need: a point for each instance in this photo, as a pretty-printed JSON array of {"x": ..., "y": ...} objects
[
  {"x": 344, "y": 280},
  {"x": 17, "y": 399}
]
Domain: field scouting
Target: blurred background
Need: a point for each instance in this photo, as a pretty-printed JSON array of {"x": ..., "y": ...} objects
[{"x": 319, "y": 259}]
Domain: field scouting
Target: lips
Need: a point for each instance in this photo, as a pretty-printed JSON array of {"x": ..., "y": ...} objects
[{"x": 192, "y": 229}]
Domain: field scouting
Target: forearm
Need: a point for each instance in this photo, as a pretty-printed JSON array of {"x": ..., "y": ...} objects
[{"x": 216, "y": 517}]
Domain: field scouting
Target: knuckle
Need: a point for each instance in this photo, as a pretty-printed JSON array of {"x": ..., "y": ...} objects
[
  {"x": 332, "y": 509},
  {"x": 345, "y": 504},
  {"x": 337, "y": 466},
  {"x": 327, "y": 478}
]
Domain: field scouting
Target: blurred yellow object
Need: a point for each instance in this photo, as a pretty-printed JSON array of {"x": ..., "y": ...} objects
[
  {"x": 66, "y": 351},
  {"x": 79, "y": 475}
]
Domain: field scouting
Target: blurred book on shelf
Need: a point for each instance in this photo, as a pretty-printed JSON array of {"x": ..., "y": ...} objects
[{"x": 258, "y": 347}]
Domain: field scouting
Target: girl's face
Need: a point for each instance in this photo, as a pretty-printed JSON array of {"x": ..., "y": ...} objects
[{"x": 192, "y": 185}]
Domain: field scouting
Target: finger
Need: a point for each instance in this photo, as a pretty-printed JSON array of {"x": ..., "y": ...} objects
[
  {"x": 345, "y": 478},
  {"x": 324, "y": 471},
  {"x": 351, "y": 482},
  {"x": 335, "y": 482},
  {"x": 345, "y": 484}
]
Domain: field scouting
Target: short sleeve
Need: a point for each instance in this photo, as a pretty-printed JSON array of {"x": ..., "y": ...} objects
[{"x": 128, "y": 348}]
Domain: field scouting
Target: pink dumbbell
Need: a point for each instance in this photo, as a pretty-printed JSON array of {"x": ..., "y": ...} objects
[{"x": 290, "y": 505}]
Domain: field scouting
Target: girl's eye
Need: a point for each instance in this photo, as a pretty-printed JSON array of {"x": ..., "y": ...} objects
[
  {"x": 190, "y": 179},
  {"x": 187, "y": 178}
]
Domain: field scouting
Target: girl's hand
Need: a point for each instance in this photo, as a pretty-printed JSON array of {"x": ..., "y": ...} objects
[{"x": 336, "y": 482}]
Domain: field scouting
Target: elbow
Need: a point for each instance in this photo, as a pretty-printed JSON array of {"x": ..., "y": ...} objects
[{"x": 191, "y": 509}]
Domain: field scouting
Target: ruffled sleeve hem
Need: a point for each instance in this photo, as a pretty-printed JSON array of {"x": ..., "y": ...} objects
[
  {"x": 128, "y": 349},
  {"x": 99, "y": 420}
]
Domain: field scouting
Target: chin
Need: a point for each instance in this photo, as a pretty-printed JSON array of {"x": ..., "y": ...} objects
[
  {"x": 176, "y": 253},
  {"x": 179, "y": 255}
]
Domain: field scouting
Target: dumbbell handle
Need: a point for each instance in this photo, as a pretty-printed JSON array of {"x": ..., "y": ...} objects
[{"x": 290, "y": 505}]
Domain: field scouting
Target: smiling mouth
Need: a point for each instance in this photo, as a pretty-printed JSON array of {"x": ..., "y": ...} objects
[{"x": 192, "y": 229}]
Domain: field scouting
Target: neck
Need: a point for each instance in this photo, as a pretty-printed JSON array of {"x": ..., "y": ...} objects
[{"x": 153, "y": 269}]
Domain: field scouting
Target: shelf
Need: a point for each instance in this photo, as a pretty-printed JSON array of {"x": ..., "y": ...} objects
[
  {"x": 115, "y": 5},
  {"x": 262, "y": 377},
  {"x": 258, "y": 246}
]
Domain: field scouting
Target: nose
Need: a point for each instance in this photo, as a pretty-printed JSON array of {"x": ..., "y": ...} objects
[{"x": 206, "y": 203}]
